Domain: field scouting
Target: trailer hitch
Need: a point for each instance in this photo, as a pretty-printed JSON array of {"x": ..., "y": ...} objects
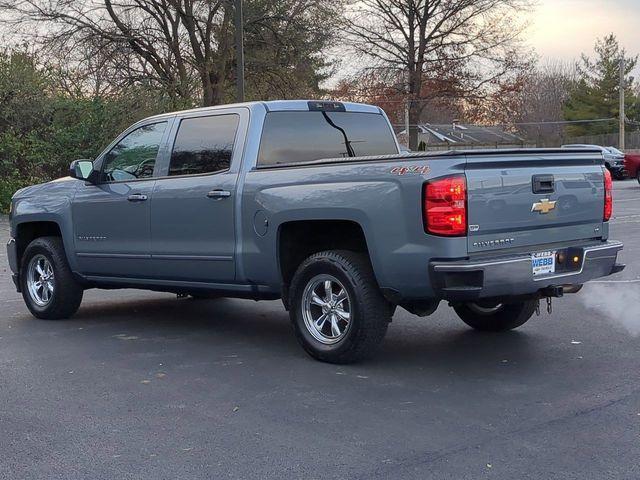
[{"x": 553, "y": 291}]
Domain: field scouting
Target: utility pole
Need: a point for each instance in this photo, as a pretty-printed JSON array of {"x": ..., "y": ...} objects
[
  {"x": 406, "y": 120},
  {"x": 406, "y": 107},
  {"x": 239, "y": 20},
  {"x": 622, "y": 114}
]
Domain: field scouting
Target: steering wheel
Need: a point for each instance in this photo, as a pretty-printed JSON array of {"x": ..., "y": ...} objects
[{"x": 144, "y": 168}]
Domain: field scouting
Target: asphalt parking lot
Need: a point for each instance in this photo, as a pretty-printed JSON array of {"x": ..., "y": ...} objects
[{"x": 143, "y": 385}]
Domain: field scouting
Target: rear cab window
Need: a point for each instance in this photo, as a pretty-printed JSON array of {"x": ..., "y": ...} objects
[{"x": 291, "y": 137}]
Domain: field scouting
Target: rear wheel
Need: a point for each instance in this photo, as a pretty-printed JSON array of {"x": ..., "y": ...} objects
[
  {"x": 48, "y": 287},
  {"x": 492, "y": 316},
  {"x": 338, "y": 312}
]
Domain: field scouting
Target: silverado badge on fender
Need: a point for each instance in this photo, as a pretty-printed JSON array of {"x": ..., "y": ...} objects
[{"x": 543, "y": 206}]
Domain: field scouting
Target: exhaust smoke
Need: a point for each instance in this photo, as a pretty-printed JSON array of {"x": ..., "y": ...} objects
[{"x": 618, "y": 302}]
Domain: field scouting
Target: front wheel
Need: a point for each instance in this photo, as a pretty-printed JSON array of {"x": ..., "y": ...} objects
[
  {"x": 338, "y": 312},
  {"x": 492, "y": 316},
  {"x": 48, "y": 287}
]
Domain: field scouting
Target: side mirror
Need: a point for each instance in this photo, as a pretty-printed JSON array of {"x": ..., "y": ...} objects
[{"x": 82, "y": 170}]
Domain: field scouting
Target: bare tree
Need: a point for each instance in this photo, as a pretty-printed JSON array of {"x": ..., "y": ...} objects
[
  {"x": 532, "y": 103},
  {"x": 474, "y": 38},
  {"x": 184, "y": 47},
  {"x": 168, "y": 42}
]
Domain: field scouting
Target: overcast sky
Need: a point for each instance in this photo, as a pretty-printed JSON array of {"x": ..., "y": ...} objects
[{"x": 562, "y": 29}]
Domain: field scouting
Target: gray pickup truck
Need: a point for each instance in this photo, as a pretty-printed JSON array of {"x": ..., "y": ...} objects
[{"x": 312, "y": 202}]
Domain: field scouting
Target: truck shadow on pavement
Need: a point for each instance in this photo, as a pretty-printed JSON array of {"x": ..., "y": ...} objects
[{"x": 437, "y": 344}]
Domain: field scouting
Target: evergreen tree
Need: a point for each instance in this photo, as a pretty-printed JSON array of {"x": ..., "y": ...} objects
[{"x": 596, "y": 92}]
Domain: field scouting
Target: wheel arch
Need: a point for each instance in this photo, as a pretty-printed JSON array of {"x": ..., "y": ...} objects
[
  {"x": 28, "y": 231},
  {"x": 298, "y": 239}
]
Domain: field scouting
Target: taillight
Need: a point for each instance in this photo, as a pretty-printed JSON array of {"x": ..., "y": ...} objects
[
  {"x": 608, "y": 196},
  {"x": 445, "y": 206}
]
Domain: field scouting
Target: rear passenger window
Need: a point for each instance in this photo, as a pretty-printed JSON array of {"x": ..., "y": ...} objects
[{"x": 204, "y": 145}]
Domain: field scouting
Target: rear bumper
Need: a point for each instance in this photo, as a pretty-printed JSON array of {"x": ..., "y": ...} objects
[
  {"x": 512, "y": 275},
  {"x": 619, "y": 171},
  {"x": 12, "y": 255}
]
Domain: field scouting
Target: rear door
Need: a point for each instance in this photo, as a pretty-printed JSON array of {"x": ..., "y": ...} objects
[
  {"x": 528, "y": 199},
  {"x": 193, "y": 204}
]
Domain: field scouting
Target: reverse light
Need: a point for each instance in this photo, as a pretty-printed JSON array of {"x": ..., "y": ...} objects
[
  {"x": 608, "y": 196},
  {"x": 444, "y": 208}
]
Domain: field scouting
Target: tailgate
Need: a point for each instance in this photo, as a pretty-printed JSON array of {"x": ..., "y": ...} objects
[{"x": 527, "y": 199}]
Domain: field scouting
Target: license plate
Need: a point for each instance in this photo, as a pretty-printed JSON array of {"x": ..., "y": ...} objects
[{"x": 543, "y": 263}]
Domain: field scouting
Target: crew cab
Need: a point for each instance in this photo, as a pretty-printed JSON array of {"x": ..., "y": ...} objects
[{"x": 313, "y": 202}]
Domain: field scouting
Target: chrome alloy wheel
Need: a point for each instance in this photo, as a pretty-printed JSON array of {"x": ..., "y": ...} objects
[
  {"x": 484, "y": 308},
  {"x": 40, "y": 280},
  {"x": 326, "y": 309}
]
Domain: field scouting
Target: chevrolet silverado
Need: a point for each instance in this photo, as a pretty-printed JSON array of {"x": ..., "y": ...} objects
[{"x": 314, "y": 203}]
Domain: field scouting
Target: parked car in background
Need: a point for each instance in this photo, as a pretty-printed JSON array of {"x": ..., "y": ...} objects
[
  {"x": 613, "y": 159},
  {"x": 632, "y": 165}
]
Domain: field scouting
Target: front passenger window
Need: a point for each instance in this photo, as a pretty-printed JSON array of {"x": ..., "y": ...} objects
[{"x": 134, "y": 157}]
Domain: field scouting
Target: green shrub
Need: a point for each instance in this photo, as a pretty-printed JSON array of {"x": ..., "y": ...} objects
[
  {"x": 42, "y": 129},
  {"x": 8, "y": 186}
]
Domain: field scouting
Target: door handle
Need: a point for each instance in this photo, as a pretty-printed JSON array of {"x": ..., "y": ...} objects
[
  {"x": 219, "y": 194},
  {"x": 137, "y": 197},
  {"x": 543, "y": 184}
]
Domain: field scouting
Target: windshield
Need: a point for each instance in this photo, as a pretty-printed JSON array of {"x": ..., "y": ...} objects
[
  {"x": 615, "y": 151},
  {"x": 295, "y": 137}
]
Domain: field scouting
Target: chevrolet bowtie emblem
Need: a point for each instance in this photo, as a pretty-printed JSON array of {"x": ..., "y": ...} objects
[{"x": 543, "y": 206}]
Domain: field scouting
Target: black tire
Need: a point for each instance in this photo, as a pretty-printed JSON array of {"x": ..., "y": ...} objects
[
  {"x": 67, "y": 292},
  {"x": 638, "y": 177},
  {"x": 484, "y": 315},
  {"x": 370, "y": 313}
]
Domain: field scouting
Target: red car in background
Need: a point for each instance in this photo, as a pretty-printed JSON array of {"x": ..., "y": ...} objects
[{"x": 632, "y": 165}]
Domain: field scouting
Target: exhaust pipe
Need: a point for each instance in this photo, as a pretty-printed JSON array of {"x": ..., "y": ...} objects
[
  {"x": 557, "y": 291},
  {"x": 572, "y": 288}
]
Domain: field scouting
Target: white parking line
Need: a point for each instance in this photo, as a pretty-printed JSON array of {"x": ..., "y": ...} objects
[{"x": 615, "y": 281}]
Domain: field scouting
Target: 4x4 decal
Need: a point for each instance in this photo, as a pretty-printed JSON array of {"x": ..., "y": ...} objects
[{"x": 411, "y": 170}]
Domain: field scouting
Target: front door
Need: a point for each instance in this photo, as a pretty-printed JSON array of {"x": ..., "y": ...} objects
[
  {"x": 112, "y": 218},
  {"x": 192, "y": 210}
]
